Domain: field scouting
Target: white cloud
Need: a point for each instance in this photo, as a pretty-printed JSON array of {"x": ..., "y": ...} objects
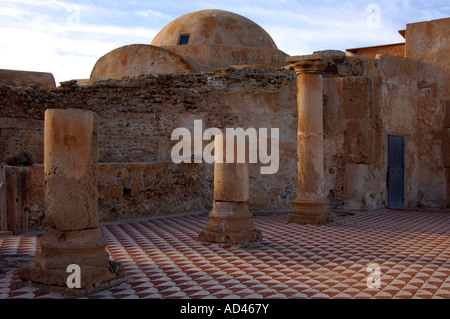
[
  {"x": 67, "y": 38},
  {"x": 152, "y": 13},
  {"x": 9, "y": 12},
  {"x": 64, "y": 45}
]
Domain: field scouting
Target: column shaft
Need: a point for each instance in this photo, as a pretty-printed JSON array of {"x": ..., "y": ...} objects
[
  {"x": 230, "y": 219},
  {"x": 310, "y": 205},
  {"x": 73, "y": 236}
]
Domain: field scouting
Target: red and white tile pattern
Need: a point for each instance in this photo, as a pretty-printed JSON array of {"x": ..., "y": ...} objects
[{"x": 162, "y": 258}]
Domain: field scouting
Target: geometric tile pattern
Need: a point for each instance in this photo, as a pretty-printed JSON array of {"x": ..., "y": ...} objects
[{"x": 162, "y": 259}]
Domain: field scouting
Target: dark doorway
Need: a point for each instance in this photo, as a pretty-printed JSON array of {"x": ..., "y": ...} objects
[{"x": 396, "y": 171}]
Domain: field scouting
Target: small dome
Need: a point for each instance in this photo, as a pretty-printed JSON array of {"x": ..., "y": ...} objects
[
  {"x": 136, "y": 59},
  {"x": 214, "y": 27}
]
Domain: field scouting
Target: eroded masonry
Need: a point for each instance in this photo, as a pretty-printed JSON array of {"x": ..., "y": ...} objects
[{"x": 364, "y": 129}]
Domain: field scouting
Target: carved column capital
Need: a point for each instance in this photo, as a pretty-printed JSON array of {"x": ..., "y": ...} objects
[{"x": 307, "y": 64}]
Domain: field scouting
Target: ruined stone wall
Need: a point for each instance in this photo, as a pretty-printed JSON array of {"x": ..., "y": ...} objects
[
  {"x": 136, "y": 119},
  {"x": 364, "y": 101},
  {"x": 428, "y": 41},
  {"x": 26, "y": 78},
  {"x": 367, "y": 100}
]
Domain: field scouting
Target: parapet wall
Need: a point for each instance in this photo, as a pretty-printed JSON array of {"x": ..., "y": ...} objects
[{"x": 26, "y": 78}]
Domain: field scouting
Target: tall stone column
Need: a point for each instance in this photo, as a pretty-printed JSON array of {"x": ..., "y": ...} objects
[
  {"x": 230, "y": 219},
  {"x": 73, "y": 236},
  {"x": 311, "y": 204}
]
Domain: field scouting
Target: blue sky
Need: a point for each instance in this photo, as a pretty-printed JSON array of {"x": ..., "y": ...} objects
[{"x": 66, "y": 37}]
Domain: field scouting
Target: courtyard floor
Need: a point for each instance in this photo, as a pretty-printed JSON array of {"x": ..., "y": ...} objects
[{"x": 162, "y": 258}]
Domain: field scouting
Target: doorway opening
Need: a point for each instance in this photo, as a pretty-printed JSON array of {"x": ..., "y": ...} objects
[{"x": 396, "y": 171}]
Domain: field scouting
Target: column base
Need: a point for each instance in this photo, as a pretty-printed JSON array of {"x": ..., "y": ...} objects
[
  {"x": 310, "y": 211},
  {"x": 230, "y": 223},
  {"x": 85, "y": 248}
]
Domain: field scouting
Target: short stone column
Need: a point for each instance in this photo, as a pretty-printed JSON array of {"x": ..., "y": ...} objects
[
  {"x": 73, "y": 236},
  {"x": 311, "y": 204},
  {"x": 230, "y": 219}
]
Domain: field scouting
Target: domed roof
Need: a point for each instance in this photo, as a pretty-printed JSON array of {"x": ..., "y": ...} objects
[
  {"x": 214, "y": 27},
  {"x": 133, "y": 60}
]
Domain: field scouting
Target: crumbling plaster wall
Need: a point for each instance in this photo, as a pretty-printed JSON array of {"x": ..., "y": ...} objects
[
  {"x": 363, "y": 104},
  {"x": 136, "y": 119}
]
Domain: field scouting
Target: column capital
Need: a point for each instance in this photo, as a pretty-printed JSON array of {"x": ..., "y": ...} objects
[{"x": 307, "y": 64}]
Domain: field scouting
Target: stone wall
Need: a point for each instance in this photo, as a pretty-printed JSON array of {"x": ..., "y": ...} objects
[
  {"x": 364, "y": 101},
  {"x": 136, "y": 119},
  {"x": 428, "y": 41},
  {"x": 138, "y": 115},
  {"x": 26, "y": 78},
  {"x": 388, "y": 95}
]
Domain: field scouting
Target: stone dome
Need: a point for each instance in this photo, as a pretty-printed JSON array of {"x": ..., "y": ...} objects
[
  {"x": 215, "y": 27},
  {"x": 136, "y": 59}
]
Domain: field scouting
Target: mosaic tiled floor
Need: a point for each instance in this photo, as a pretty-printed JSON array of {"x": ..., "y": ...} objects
[{"x": 162, "y": 259}]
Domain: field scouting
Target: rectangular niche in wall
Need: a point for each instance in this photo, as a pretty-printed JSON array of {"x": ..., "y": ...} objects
[{"x": 184, "y": 39}]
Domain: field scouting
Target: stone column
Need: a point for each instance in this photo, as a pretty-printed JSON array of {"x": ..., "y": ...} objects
[
  {"x": 230, "y": 219},
  {"x": 71, "y": 209},
  {"x": 311, "y": 204}
]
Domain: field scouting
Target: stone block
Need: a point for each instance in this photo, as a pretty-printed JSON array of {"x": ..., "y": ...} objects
[
  {"x": 355, "y": 185},
  {"x": 17, "y": 182},
  {"x": 71, "y": 173},
  {"x": 355, "y": 98},
  {"x": 25, "y": 78}
]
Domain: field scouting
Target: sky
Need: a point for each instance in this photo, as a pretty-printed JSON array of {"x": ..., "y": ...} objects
[{"x": 66, "y": 37}]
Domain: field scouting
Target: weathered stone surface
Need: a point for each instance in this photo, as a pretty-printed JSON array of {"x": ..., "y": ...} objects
[
  {"x": 24, "y": 158},
  {"x": 231, "y": 180},
  {"x": 85, "y": 248},
  {"x": 428, "y": 41},
  {"x": 17, "y": 184},
  {"x": 310, "y": 210},
  {"x": 135, "y": 120},
  {"x": 137, "y": 59},
  {"x": 73, "y": 237},
  {"x": 71, "y": 173},
  {"x": 26, "y": 78},
  {"x": 230, "y": 219},
  {"x": 364, "y": 99},
  {"x": 230, "y": 223},
  {"x": 356, "y": 179},
  {"x": 311, "y": 204},
  {"x": 220, "y": 39},
  {"x": 397, "y": 49}
]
